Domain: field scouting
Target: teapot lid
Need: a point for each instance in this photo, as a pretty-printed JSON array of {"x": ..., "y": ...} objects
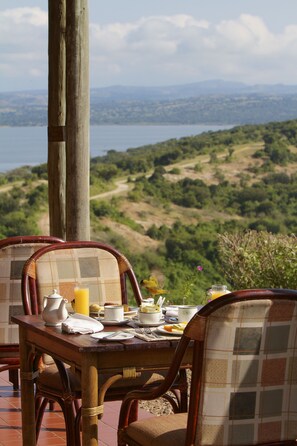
[{"x": 55, "y": 295}]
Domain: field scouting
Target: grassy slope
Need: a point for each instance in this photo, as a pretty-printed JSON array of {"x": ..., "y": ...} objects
[{"x": 149, "y": 212}]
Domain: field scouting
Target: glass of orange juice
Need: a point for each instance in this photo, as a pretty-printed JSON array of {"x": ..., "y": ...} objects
[
  {"x": 217, "y": 291},
  {"x": 81, "y": 296}
]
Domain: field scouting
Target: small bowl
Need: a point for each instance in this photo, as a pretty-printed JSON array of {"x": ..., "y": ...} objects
[{"x": 149, "y": 318}]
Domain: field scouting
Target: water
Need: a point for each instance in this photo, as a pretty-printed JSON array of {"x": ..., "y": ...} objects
[{"x": 21, "y": 146}]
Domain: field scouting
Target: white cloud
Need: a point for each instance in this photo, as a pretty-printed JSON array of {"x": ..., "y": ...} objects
[
  {"x": 23, "y": 47},
  {"x": 154, "y": 50},
  {"x": 27, "y": 16},
  {"x": 177, "y": 49}
]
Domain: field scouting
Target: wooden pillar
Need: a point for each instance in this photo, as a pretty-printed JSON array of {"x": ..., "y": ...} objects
[
  {"x": 77, "y": 121},
  {"x": 56, "y": 117}
]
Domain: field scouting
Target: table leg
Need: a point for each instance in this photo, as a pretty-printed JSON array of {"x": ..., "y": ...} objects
[
  {"x": 27, "y": 391},
  {"x": 89, "y": 383}
]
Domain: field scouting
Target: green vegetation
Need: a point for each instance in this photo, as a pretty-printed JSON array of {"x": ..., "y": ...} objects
[
  {"x": 180, "y": 197},
  {"x": 259, "y": 259},
  {"x": 200, "y": 107}
]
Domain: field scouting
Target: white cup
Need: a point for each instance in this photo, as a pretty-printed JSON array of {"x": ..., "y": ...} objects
[
  {"x": 186, "y": 312},
  {"x": 114, "y": 313},
  {"x": 149, "y": 318}
]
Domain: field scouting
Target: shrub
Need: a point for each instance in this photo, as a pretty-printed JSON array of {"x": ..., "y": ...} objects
[{"x": 259, "y": 259}]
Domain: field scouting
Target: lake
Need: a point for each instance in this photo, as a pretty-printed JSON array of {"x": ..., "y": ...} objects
[{"x": 21, "y": 146}]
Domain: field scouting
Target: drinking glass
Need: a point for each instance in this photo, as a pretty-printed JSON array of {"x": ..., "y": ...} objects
[{"x": 81, "y": 296}]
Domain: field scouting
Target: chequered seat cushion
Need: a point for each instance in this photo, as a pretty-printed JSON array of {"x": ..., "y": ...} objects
[
  {"x": 249, "y": 392},
  {"x": 12, "y": 259},
  {"x": 89, "y": 267}
]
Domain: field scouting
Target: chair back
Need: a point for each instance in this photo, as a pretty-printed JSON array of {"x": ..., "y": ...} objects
[
  {"x": 94, "y": 265},
  {"x": 244, "y": 375},
  {"x": 14, "y": 251}
]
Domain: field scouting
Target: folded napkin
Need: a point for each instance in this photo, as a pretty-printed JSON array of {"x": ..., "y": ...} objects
[
  {"x": 78, "y": 323},
  {"x": 171, "y": 312}
]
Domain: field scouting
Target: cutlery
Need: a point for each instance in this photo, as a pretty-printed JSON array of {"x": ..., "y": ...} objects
[
  {"x": 112, "y": 335},
  {"x": 151, "y": 333}
]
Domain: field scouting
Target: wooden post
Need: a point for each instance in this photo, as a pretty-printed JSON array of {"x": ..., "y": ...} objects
[
  {"x": 56, "y": 117},
  {"x": 77, "y": 121}
]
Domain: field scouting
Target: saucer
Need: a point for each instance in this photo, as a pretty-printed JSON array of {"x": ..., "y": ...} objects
[
  {"x": 152, "y": 324},
  {"x": 104, "y": 322}
]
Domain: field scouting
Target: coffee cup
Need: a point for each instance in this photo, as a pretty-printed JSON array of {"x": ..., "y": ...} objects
[
  {"x": 114, "y": 313},
  {"x": 186, "y": 312},
  {"x": 149, "y": 318}
]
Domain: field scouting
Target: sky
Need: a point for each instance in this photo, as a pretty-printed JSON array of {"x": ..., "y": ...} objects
[{"x": 159, "y": 42}]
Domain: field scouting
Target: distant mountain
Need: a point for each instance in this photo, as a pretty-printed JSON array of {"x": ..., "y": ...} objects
[
  {"x": 211, "y": 87},
  {"x": 208, "y": 102}
]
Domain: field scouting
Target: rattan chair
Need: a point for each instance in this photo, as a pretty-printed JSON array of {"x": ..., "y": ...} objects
[
  {"x": 14, "y": 251},
  {"x": 244, "y": 377},
  {"x": 109, "y": 277}
]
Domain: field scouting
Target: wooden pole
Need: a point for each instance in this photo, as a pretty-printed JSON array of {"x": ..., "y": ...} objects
[
  {"x": 77, "y": 121},
  {"x": 56, "y": 117}
]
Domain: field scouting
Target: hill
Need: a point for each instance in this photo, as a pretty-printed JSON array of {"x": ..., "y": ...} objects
[
  {"x": 209, "y": 102},
  {"x": 164, "y": 205}
]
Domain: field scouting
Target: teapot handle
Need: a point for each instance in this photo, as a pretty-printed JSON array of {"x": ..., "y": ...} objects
[{"x": 44, "y": 301}]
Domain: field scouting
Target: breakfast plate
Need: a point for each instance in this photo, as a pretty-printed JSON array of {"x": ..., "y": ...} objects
[
  {"x": 113, "y": 336},
  {"x": 162, "y": 330}
]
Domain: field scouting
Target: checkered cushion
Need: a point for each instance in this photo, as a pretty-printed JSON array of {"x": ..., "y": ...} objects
[
  {"x": 12, "y": 259},
  {"x": 249, "y": 380},
  {"x": 94, "y": 268}
]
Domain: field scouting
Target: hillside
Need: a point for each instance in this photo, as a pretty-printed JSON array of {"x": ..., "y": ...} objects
[
  {"x": 242, "y": 165},
  {"x": 164, "y": 205},
  {"x": 212, "y": 102}
]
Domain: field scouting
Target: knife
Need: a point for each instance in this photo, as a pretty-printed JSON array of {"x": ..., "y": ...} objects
[{"x": 112, "y": 335}]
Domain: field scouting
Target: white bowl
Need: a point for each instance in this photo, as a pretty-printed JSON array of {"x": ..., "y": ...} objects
[{"x": 149, "y": 318}]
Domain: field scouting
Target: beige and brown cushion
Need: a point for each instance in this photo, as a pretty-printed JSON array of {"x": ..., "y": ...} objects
[
  {"x": 12, "y": 259},
  {"x": 86, "y": 267},
  {"x": 250, "y": 374},
  {"x": 168, "y": 430},
  {"x": 244, "y": 376}
]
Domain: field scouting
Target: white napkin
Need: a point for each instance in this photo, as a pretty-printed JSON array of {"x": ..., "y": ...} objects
[
  {"x": 78, "y": 323},
  {"x": 171, "y": 312}
]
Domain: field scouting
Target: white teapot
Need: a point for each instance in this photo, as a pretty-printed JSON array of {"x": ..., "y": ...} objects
[{"x": 55, "y": 311}]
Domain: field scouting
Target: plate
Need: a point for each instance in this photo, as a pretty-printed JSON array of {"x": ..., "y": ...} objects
[
  {"x": 122, "y": 336},
  {"x": 152, "y": 324},
  {"x": 163, "y": 331},
  {"x": 104, "y": 322}
]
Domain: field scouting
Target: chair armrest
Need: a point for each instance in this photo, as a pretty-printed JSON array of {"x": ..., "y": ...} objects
[
  {"x": 9, "y": 348},
  {"x": 155, "y": 392}
]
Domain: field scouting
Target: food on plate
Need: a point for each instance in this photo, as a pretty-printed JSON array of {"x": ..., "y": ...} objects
[
  {"x": 175, "y": 328},
  {"x": 150, "y": 308},
  {"x": 95, "y": 308}
]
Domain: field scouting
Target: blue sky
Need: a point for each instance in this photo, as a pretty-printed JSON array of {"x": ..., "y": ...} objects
[{"x": 159, "y": 42}]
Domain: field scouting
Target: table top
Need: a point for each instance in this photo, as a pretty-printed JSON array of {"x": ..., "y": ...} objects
[{"x": 84, "y": 342}]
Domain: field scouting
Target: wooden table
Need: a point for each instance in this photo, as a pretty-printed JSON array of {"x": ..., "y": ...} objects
[{"x": 90, "y": 357}]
